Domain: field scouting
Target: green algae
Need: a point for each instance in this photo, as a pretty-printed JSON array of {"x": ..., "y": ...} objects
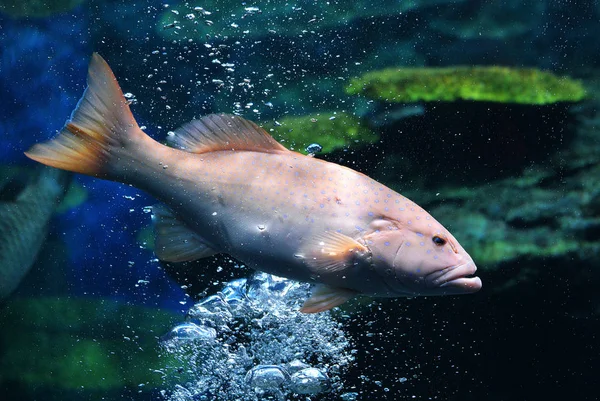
[
  {"x": 74, "y": 344},
  {"x": 331, "y": 130},
  {"x": 490, "y": 84}
]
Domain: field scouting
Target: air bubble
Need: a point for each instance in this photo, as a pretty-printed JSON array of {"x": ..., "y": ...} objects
[
  {"x": 266, "y": 377},
  {"x": 258, "y": 345},
  {"x": 309, "y": 381},
  {"x": 313, "y": 148},
  {"x": 190, "y": 332},
  {"x": 295, "y": 366}
]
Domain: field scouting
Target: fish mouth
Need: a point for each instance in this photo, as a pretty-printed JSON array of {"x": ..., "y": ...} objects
[{"x": 456, "y": 279}]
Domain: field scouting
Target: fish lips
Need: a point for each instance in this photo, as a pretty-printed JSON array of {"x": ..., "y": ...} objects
[{"x": 456, "y": 279}]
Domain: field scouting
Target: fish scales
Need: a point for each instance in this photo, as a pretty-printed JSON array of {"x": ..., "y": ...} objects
[
  {"x": 227, "y": 186},
  {"x": 279, "y": 202},
  {"x": 24, "y": 224}
]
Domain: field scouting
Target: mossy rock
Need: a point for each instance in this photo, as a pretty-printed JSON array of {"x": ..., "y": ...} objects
[
  {"x": 68, "y": 344},
  {"x": 36, "y": 8},
  {"x": 490, "y": 84},
  {"x": 331, "y": 130}
]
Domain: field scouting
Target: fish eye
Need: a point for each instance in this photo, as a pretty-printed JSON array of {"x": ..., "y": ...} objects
[{"x": 439, "y": 241}]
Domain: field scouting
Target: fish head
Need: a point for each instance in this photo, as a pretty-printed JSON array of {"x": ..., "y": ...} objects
[{"x": 419, "y": 256}]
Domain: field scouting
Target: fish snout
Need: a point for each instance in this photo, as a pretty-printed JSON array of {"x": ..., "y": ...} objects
[{"x": 458, "y": 279}]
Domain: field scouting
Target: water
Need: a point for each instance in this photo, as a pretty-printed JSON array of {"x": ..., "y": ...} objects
[
  {"x": 249, "y": 342},
  {"x": 99, "y": 317}
]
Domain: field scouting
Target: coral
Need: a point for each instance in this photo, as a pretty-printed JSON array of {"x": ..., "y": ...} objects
[
  {"x": 333, "y": 130},
  {"x": 36, "y": 8},
  {"x": 491, "y": 84}
]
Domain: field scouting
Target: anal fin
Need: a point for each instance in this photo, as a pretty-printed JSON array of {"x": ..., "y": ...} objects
[
  {"x": 324, "y": 297},
  {"x": 173, "y": 241}
]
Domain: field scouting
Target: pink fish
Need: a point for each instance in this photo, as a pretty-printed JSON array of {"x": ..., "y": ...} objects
[{"x": 227, "y": 186}]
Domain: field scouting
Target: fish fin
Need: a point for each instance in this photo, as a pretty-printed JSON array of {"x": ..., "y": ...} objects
[
  {"x": 100, "y": 126},
  {"x": 218, "y": 132},
  {"x": 173, "y": 241},
  {"x": 324, "y": 297},
  {"x": 332, "y": 251}
]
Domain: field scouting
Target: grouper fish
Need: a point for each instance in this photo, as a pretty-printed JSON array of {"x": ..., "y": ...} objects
[
  {"x": 25, "y": 212},
  {"x": 226, "y": 186}
]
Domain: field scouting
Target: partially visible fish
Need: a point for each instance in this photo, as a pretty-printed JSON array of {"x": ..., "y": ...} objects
[
  {"x": 229, "y": 187},
  {"x": 24, "y": 215}
]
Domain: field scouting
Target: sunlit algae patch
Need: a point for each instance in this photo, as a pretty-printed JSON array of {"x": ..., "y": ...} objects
[{"x": 491, "y": 84}]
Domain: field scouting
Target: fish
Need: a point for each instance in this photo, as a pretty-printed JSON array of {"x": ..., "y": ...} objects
[
  {"x": 224, "y": 185},
  {"x": 26, "y": 208}
]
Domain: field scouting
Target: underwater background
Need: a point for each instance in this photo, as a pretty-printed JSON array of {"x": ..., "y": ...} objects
[{"x": 485, "y": 113}]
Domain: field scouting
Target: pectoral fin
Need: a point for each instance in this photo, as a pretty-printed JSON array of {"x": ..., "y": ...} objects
[
  {"x": 332, "y": 251},
  {"x": 173, "y": 241},
  {"x": 324, "y": 297}
]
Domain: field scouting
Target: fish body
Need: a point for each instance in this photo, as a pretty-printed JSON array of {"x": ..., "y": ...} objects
[
  {"x": 227, "y": 186},
  {"x": 24, "y": 221}
]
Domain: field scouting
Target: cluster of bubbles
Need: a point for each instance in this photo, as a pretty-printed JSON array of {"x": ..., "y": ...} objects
[{"x": 249, "y": 342}]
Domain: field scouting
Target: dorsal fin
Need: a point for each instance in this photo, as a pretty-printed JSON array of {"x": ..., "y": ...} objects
[{"x": 216, "y": 132}]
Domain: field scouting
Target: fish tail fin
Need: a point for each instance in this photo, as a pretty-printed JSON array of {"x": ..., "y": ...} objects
[{"x": 101, "y": 133}]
